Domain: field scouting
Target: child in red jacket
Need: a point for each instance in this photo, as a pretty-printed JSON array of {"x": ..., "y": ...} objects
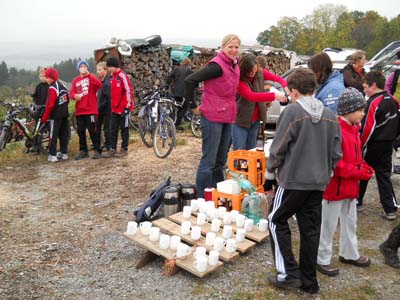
[
  {"x": 121, "y": 104},
  {"x": 339, "y": 200},
  {"x": 84, "y": 90}
]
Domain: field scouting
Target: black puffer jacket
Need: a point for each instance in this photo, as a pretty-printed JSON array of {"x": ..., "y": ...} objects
[
  {"x": 178, "y": 76},
  {"x": 352, "y": 78},
  {"x": 104, "y": 97}
]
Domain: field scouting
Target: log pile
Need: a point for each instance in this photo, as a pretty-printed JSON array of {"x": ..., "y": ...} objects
[
  {"x": 147, "y": 69},
  {"x": 277, "y": 62}
]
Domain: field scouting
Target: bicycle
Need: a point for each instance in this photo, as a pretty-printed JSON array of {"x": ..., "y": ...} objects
[
  {"x": 156, "y": 128},
  {"x": 37, "y": 140}
]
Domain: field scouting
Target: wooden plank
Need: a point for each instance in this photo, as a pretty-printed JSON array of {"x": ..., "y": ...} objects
[
  {"x": 254, "y": 235},
  {"x": 186, "y": 263},
  {"x": 173, "y": 228},
  {"x": 242, "y": 247}
]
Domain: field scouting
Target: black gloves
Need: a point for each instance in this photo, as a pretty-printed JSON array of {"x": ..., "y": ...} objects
[{"x": 269, "y": 184}]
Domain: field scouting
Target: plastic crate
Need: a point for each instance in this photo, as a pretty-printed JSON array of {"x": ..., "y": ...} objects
[{"x": 236, "y": 199}]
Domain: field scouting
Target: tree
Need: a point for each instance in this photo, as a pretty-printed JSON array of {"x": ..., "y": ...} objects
[
  {"x": 263, "y": 37},
  {"x": 3, "y": 73}
]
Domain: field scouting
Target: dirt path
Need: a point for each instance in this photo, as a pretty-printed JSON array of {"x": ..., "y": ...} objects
[{"x": 61, "y": 237}]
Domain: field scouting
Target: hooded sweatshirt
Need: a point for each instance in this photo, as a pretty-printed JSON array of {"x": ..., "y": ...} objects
[{"x": 306, "y": 146}]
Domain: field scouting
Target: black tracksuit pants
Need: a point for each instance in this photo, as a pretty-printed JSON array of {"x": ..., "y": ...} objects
[
  {"x": 104, "y": 125},
  {"x": 88, "y": 122},
  {"x": 306, "y": 205},
  {"x": 59, "y": 130},
  {"x": 181, "y": 111},
  {"x": 379, "y": 157},
  {"x": 119, "y": 121}
]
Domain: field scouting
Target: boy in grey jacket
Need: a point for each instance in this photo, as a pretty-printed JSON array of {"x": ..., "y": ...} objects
[{"x": 303, "y": 154}]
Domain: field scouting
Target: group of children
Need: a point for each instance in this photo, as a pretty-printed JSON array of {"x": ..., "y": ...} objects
[
  {"x": 318, "y": 161},
  {"x": 103, "y": 102}
]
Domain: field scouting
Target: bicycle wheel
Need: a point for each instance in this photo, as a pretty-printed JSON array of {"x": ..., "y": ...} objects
[
  {"x": 195, "y": 125},
  {"x": 43, "y": 140},
  {"x": 134, "y": 120},
  {"x": 4, "y": 135},
  {"x": 164, "y": 138},
  {"x": 146, "y": 133}
]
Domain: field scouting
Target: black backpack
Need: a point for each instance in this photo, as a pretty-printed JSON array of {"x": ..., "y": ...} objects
[{"x": 148, "y": 211}]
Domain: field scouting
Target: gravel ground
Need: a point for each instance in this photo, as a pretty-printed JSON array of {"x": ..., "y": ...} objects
[{"x": 61, "y": 237}]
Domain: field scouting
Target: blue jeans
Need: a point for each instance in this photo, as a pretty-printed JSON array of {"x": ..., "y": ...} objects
[
  {"x": 216, "y": 140},
  {"x": 245, "y": 138}
]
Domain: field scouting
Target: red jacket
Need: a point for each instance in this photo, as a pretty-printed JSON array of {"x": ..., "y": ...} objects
[
  {"x": 121, "y": 92},
  {"x": 87, "y": 86},
  {"x": 350, "y": 169}
]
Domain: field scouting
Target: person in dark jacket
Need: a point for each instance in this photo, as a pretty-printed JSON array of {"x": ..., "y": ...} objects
[
  {"x": 330, "y": 82},
  {"x": 40, "y": 94},
  {"x": 177, "y": 78},
  {"x": 56, "y": 113},
  {"x": 252, "y": 101},
  {"x": 339, "y": 200},
  {"x": 380, "y": 127},
  {"x": 104, "y": 106},
  {"x": 354, "y": 71},
  {"x": 303, "y": 155}
]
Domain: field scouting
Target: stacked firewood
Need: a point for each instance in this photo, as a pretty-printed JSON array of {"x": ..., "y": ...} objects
[
  {"x": 147, "y": 69},
  {"x": 277, "y": 62}
]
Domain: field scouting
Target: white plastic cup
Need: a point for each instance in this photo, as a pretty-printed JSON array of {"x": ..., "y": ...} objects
[
  {"x": 185, "y": 227},
  {"x": 200, "y": 251},
  {"x": 240, "y": 219},
  {"x": 195, "y": 233},
  {"x": 215, "y": 225},
  {"x": 194, "y": 205},
  {"x": 187, "y": 212},
  {"x": 164, "y": 241},
  {"x": 234, "y": 214},
  {"x": 230, "y": 245},
  {"x": 221, "y": 211},
  {"x": 212, "y": 213},
  {"x": 213, "y": 258},
  {"x": 131, "y": 228},
  {"x": 182, "y": 250},
  {"x": 210, "y": 237},
  {"x": 154, "y": 234},
  {"x": 263, "y": 225},
  {"x": 240, "y": 235},
  {"x": 219, "y": 243},
  {"x": 227, "y": 231},
  {"x": 201, "y": 219},
  {"x": 248, "y": 225},
  {"x": 201, "y": 264},
  {"x": 174, "y": 242},
  {"x": 227, "y": 218},
  {"x": 145, "y": 227}
]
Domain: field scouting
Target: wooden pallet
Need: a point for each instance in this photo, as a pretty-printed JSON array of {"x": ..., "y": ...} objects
[
  {"x": 242, "y": 247},
  {"x": 186, "y": 264},
  {"x": 173, "y": 228},
  {"x": 254, "y": 235}
]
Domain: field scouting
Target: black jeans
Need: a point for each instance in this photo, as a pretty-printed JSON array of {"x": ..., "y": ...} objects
[
  {"x": 59, "y": 130},
  {"x": 379, "y": 157},
  {"x": 119, "y": 121},
  {"x": 307, "y": 207},
  {"x": 88, "y": 122},
  {"x": 104, "y": 125}
]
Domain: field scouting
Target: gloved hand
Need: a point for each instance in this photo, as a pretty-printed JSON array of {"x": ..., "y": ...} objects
[{"x": 269, "y": 184}]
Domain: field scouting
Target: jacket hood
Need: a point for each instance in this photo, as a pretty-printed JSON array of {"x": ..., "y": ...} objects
[{"x": 313, "y": 107}]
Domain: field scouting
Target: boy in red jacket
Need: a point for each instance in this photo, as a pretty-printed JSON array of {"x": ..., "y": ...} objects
[
  {"x": 339, "y": 200},
  {"x": 83, "y": 90},
  {"x": 56, "y": 113},
  {"x": 121, "y": 105}
]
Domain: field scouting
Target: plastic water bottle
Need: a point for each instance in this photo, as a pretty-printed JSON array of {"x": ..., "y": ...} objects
[{"x": 243, "y": 182}]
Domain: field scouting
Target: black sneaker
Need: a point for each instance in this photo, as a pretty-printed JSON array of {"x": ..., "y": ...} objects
[
  {"x": 97, "y": 155},
  {"x": 310, "y": 289},
  {"x": 328, "y": 270},
  {"x": 291, "y": 283},
  {"x": 390, "y": 255},
  {"x": 81, "y": 155}
]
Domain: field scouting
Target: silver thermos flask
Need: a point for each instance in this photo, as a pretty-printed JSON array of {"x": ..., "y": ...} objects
[
  {"x": 188, "y": 193},
  {"x": 171, "y": 201}
]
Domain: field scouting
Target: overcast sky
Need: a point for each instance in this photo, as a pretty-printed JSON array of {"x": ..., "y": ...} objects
[{"x": 38, "y": 23}]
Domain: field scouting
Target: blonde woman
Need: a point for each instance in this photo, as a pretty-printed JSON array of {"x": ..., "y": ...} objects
[
  {"x": 354, "y": 71},
  {"x": 218, "y": 110}
]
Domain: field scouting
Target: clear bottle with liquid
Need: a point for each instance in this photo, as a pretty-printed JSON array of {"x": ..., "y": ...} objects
[{"x": 243, "y": 181}]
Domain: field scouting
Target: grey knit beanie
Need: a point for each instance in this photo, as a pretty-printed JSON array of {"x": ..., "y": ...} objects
[{"x": 350, "y": 100}]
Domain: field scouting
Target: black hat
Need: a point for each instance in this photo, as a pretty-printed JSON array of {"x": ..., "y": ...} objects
[
  {"x": 113, "y": 62},
  {"x": 349, "y": 101}
]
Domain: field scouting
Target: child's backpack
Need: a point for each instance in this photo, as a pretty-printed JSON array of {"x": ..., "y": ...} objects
[{"x": 148, "y": 211}]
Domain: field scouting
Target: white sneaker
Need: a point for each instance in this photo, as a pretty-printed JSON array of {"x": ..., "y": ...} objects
[
  {"x": 52, "y": 158},
  {"x": 398, "y": 153},
  {"x": 62, "y": 156}
]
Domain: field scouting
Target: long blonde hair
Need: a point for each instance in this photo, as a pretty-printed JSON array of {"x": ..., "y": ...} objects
[{"x": 229, "y": 38}]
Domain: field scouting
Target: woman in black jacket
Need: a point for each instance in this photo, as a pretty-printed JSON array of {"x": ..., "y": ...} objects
[{"x": 354, "y": 71}]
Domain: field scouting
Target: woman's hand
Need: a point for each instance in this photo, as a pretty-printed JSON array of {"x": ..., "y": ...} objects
[
  {"x": 281, "y": 98},
  {"x": 197, "y": 110}
]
